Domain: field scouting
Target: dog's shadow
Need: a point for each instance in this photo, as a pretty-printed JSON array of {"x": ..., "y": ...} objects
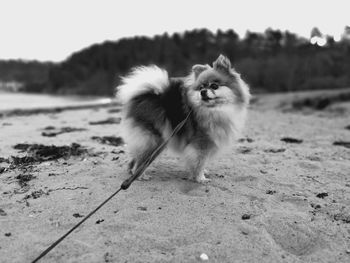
[{"x": 179, "y": 178}]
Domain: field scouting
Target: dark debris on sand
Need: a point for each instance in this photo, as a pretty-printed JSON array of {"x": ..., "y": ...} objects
[
  {"x": 244, "y": 149},
  {"x": 322, "y": 195},
  {"x": 115, "y": 110},
  {"x": 246, "y": 216},
  {"x": 271, "y": 192},
  {"x": 111, "y": 120},
  {"x": 25, "y": 160},
  {"x": 49, "y": 128},
  {"x": 2, "y": 212},
  {"x": 23, "y": 179},
  {"x": 36, "y": 194},
  {"x": 342, "y": 143},
  {"x": 76, "y": 215},
  {"x": 291, "y": 140},
  {"x": 118, "y": 152},
  {"x": 247, "y": 139},
  {"x": 100, "y": 221},
  {"x": 275, "y": 150},
  {"x": 314, "y": 103},
  {"x": 342, "y": 217},
  {"x": 52, "y": 132},
  {"x": 28, "y": 112},
  {"x": 321, "y": 102},
  {"x": 41, "y": 153},
  {"x": 3, "y": 160},
  {"x": 110, "y": 140}
]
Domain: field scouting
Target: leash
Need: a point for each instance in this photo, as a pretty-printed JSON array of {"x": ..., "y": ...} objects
[{"x": 124, "y": 186}]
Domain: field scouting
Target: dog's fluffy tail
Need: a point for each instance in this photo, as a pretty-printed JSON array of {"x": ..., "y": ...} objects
[{"x": 142, "y": 80}]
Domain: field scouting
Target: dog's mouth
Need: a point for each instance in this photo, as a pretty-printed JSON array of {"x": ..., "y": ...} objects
[
  {"x": 212, "y": 102},
  {"x": 206, "y": 99},
  {"x": 209, "y": 102}
]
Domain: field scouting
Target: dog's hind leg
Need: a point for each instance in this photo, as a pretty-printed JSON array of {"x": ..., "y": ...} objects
[
  {"x": 131, "y": 166},
  {"x": 141, "y": 148},
  {"x": 143, "y": 156}
]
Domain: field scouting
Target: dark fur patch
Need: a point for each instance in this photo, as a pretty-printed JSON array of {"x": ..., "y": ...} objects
[
  {"x": 173, "y": 102},
  {"x": 146, "y": 110},
  {"x": 150, "y": 110}
]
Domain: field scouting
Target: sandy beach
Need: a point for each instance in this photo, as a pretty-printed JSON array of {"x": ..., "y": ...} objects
[{"x": 279, "y": 194}]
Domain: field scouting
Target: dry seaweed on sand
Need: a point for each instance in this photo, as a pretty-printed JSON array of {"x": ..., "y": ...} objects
[
  {"x": 40, "y": 152},
  {"x": 322, "y": 195},
  {"x": 342, "y": 217},
  {"x": 110, "y": 140},
  {"x": 342, "y": 143},
  {"x": 115, "y": 110},
  {"x": 54, "y": 132},
  {"x": 2, "y": 212},
  {"x": 3, "y": 160},
  {"x": 23, "y": 179},
  {"x": 247, "y": 139},
  {"x": 36, "y": 194},
  {"x": 275, "y": 150},
  {"x": 314, "y": 103},
  {"x": 320, "y": 102},
  {"x": 25, "y": 160},
  {"x": 49, "y": 128},
  {"x": 291, "y": 140},
  {"x": 244, "y": 149},
  {"x": 111, "y": 120}
]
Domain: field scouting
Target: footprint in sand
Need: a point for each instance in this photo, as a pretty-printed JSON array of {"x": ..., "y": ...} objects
[
  {"x": 309, "y": 165},
  {"x": 293, "y": 234},
  {"x": 244, "y": 178},
  {"x": 194, "y": 189}
]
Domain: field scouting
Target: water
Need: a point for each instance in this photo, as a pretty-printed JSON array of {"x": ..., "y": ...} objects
[{"x": 11, "y": 101}]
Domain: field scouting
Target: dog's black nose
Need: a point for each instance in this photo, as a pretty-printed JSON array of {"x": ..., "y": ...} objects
[{"x": 204, "y": 93}]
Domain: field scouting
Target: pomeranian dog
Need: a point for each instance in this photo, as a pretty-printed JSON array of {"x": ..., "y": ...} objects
[{"x": 155, "y": 104}]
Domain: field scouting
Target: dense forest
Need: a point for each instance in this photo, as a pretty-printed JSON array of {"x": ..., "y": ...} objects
[
  {"x": 270, "y": 61},
  {"x": 24, "y": 71}
]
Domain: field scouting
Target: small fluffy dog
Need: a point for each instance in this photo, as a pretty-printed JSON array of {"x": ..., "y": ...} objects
[{"x": 155, "y": 104}]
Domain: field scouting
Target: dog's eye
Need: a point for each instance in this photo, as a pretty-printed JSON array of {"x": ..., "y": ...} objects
[
  {"x": 214, "y": 86},
  {"x": 201, "y": 87}
]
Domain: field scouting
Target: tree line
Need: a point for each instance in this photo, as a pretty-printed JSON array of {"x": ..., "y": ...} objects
[{"x": 270, "y": 61}]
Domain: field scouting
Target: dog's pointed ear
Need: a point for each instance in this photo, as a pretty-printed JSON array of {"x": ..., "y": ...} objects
[
  {"x": 222, "y": 63},
  {"x": 198, "y": 69}
]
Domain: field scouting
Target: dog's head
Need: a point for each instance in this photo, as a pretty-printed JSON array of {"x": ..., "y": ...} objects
[{"x": 219, "y": 85}]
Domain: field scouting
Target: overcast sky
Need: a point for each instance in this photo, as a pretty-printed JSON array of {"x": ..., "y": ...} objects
[{"x": 53, "y": 29}]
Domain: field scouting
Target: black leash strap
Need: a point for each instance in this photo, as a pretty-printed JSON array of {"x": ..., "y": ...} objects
[{"x": 124, "y": 186}]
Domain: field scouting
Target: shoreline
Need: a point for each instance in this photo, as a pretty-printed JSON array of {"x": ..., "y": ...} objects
[
  {"x": 47, "y": 110},
  {"x": 278, "y": 99}
]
